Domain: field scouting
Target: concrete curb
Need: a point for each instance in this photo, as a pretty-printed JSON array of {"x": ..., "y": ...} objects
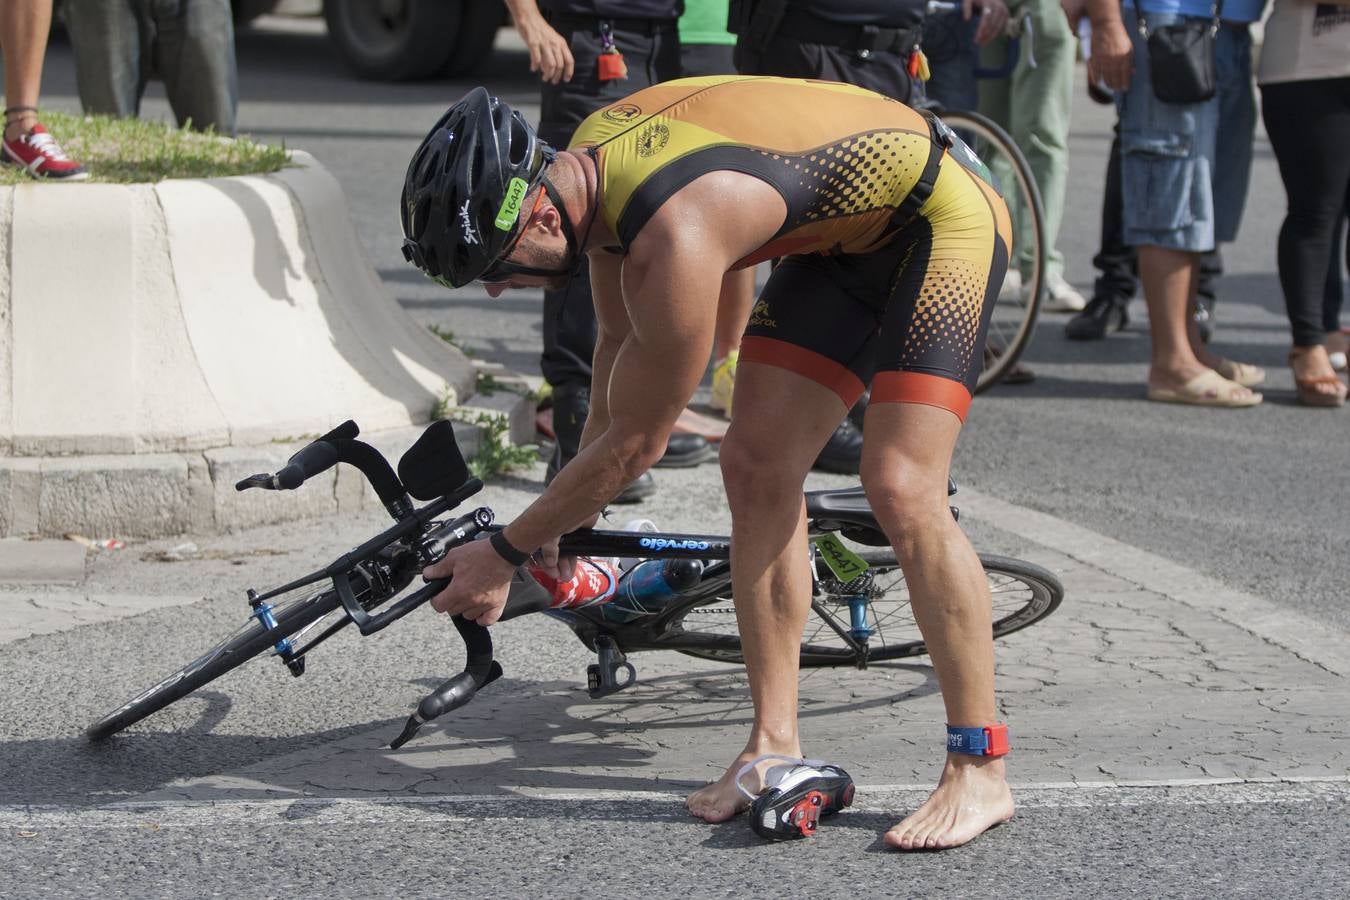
[
  {"x": 213, "y": 327},
  {"x": 151, "y": 495}
]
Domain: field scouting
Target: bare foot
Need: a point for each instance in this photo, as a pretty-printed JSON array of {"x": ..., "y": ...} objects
[
  {"x": 971, "y": 797},
  {"x": 722, "y": 800}
]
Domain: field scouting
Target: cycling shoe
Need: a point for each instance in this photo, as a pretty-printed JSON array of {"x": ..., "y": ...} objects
[{"x": 797, "y": 797}]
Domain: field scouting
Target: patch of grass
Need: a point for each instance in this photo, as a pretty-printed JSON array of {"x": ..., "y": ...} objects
[
  {"x": 496, "y": 455},
  {"x": 125, "y": 151}
]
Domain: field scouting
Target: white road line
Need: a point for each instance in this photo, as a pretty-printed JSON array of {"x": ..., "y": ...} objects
[
  {"x": 1317, "y": 642},
  {"x": 465, "y": 807}
]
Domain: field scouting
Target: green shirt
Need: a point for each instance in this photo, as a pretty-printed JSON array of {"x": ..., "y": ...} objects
[{"x": 705, "y": 22}]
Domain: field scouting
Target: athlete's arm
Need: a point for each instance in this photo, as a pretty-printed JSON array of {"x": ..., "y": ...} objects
[{"x": 612, "y": 329}]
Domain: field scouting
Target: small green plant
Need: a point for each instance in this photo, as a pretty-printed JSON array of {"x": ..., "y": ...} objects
[
  {"x": 441, "y": 406},
  {"x": 140, "y": 150},
  {"x": 496, "y": 455}
]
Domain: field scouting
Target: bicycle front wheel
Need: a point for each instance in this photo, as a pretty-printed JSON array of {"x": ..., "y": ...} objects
[
  {"x": 292, "y": 617},
  {"x": 1014, "y": 316},
  {"x": 1022, "y": 594}
]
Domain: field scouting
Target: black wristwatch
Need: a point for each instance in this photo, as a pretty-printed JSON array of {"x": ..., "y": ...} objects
[{"x": 506, "y": 551}]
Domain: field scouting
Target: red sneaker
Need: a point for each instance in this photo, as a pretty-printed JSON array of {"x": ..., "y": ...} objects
[{"x": 39, "y": 153}]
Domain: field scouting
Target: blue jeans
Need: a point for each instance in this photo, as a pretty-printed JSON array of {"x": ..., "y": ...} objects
[
  {"x": 1185, "y": 167},
  {"x": 120, "y": 44}
]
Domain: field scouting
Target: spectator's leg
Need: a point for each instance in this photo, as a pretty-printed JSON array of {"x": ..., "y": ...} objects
[
  {"x": 1202, "y": 312},
  {"x": 1316, "y": 176},
  {"x": 1115, "y": 259},
  {"x": 1337, "y": 341},
  {"x": 194, "y": 52},
  {"x": 1039, "y": 100},
  {"x": 1115, "y": 262},
  {"x": 1333, "y": 295},
  {"x": 23, "y": 39},
  {"x": 1167, "y": 161},
  {"x": 106, "y": 37},
  {"x": 1232, "y": 159}
]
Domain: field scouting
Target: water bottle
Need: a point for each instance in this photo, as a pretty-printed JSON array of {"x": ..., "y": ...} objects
[
  {"x": 650, "y": 586},
  {"x": 593, "y": 582}
]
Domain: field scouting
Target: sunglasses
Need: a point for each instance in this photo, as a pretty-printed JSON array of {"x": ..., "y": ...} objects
[{"x": 503, "y": 270}]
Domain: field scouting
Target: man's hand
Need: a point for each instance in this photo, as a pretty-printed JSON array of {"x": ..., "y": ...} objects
[
  {"x": 992, "y": 22},
  {"x": 1112, "y": 59},
  {"x": 480, "y": 581},
  {"x": 550, "y": 54}
]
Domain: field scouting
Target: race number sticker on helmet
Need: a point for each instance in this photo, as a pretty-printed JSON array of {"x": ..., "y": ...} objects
[{"x": 516, "y": 189}]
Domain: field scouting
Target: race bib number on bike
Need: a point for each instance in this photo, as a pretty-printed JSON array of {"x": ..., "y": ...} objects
[{"x": 843, "y": 562}]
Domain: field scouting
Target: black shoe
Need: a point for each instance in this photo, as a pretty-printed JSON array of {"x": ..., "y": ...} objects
[
  {"x": 638, "y": 491},
  {"x": 1099, "y": 318},
  {"x": 683, "y": 449},
  {"x": 843, "y": 451}
]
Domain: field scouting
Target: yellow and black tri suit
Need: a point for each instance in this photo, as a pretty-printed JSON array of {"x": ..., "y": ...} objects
[{"x": 893, "y": 246}]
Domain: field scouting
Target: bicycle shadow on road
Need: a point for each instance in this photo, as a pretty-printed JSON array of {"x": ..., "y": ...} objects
[{"x": 669, "y": 732}]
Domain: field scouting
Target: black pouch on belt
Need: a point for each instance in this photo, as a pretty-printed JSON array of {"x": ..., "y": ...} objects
[{"x": 1181, "y": 64}]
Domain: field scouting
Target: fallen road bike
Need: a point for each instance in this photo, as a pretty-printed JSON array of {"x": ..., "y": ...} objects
[{"x": 859, "y": 606}]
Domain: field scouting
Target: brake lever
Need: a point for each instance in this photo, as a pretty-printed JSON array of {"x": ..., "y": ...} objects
[{"x": 480, "y": 670}]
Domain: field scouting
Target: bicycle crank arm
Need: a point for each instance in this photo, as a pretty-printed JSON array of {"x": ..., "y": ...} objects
[{"x": 480, "y": 669}]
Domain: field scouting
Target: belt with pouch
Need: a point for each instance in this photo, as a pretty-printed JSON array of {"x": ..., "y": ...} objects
[
  {"x": 864, "y": 40},
  {"x": 569, "y": 22}
]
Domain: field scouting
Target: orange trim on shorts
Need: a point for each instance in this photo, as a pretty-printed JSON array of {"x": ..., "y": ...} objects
[
  {"x": 806, "y": 363},
  {"x": 917, "y": 387}
]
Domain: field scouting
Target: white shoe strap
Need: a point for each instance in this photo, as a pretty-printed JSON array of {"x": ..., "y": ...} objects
[{"x": 794, "y": 761}]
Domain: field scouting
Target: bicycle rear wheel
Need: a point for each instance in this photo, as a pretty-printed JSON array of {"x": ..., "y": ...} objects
[
  {"x": 291, "y": 616},
  {"x": 1022, "y": 594},
  {"x": 1014, "y": 317}
]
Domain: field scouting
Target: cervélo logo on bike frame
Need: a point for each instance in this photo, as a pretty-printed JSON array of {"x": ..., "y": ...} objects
[{"x": 668, "y": 544}]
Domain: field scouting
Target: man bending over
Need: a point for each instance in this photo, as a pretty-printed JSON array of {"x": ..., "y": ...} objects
[{"x": 893, "y": 244}]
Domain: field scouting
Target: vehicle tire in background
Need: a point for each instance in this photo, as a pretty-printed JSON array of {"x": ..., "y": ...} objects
[
  {"x": 477, "y": 32},
  {"x": 395, "y": 40}
]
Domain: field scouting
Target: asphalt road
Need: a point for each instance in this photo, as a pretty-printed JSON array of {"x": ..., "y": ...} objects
[{"x": 1182, "y": 714}]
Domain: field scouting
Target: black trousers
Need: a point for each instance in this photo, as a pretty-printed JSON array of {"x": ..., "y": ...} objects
[
  {"x": 1309, "y": 127},
  {"x": 652, "y": 54}
]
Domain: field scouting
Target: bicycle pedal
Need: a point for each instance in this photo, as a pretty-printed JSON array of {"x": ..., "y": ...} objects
[{"x": 601, "y": 680}]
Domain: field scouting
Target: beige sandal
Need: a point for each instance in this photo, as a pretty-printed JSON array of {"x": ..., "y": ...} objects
[
  {"x": 1309, "y": 392},
  {"x": 1209, "y": 388},
  {"x": 1241, "y": 373}
]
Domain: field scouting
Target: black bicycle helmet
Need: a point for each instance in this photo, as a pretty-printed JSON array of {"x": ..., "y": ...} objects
[{"x": 462, "y": 194}]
